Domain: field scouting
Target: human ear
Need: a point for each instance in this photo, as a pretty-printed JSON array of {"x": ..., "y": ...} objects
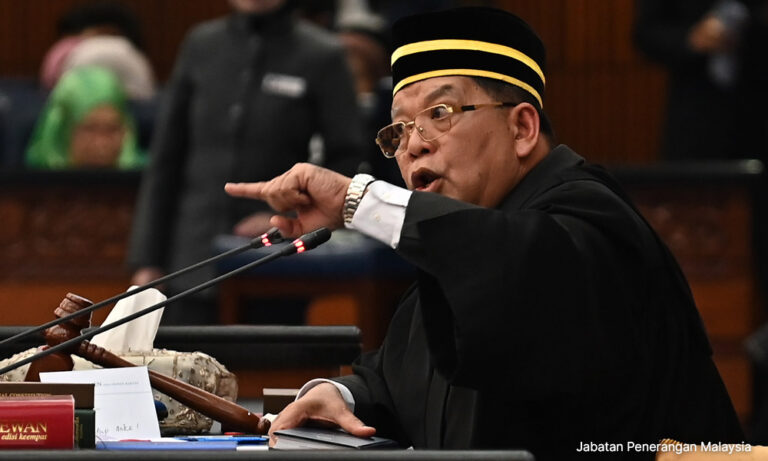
[{"x": 525, "y": 123}]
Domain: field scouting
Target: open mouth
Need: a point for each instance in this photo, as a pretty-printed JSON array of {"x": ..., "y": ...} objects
[{"x": 424, "y": 180}]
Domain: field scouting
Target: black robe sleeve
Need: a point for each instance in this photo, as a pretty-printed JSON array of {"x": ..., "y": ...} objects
[
  {"x": 515, "y": 289},
  {"x": 368, "y": 385}
]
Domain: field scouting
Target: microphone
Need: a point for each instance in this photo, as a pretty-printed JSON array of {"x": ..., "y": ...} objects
[
  {"x": 266, "y": 239},
  {"x": 311, "y": 240},
  {"x": 304, "y": 243}
]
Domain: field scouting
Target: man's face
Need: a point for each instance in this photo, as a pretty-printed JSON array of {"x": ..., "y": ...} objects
[
  {"x": 474, "y": 161},
  {"x": 256, "y": 6}
]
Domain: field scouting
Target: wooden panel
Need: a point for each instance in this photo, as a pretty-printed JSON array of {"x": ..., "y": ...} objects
[
  {"x": 32, "y": 302},
  {"x": 708, "y": 227},
  {"x": 251, "y": 383},
  {"x": 604, "y": 100},
  {"x": 727, "y": 307},
  {"x": 608, "y": 115},
  {"x": 62, "y": 232},
  {"x": 736, "y": 372}
]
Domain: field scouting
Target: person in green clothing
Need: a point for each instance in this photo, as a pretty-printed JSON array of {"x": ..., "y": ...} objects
[{"x": 85, "y": 124}]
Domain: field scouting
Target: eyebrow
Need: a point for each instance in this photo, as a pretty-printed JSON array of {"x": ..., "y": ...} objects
[{"x": 432, "y": 96}]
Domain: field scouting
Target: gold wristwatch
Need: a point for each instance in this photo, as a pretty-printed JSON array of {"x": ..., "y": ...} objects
[{"x": 355, "y": 193}]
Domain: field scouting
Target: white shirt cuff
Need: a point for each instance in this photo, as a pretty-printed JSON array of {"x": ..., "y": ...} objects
[
  {"x": 381, "y": 212},
  {"x": 346, "y": 394}
]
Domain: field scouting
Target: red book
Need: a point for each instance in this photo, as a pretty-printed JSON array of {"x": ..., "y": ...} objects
[{"x": 37, "y": 422}]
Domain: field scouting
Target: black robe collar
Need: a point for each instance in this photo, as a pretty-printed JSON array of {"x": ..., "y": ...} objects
[{"x": 543, "y": 176}]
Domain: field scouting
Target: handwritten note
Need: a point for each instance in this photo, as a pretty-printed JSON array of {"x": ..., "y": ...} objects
[{"x": 123, "y": 401}]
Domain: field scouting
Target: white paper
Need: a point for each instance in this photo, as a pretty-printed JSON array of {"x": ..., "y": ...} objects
[
  {"x": 138, "y": 335},
  {"x": 125, "y": 408}
]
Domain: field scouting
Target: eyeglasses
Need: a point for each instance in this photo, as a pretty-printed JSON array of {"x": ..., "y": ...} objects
[{"x": 430, "y": 124}]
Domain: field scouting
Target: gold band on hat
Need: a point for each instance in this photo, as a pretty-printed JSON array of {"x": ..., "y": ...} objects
[
  {"x": 471, "y": 45},
  {"x": 469, "y": 73}
]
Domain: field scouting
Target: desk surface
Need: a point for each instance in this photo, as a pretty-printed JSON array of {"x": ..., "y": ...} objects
[{"x": 346, "y": 455}]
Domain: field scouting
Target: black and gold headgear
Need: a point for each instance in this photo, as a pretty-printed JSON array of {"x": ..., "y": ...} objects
[{"x": 474, "y": 42}]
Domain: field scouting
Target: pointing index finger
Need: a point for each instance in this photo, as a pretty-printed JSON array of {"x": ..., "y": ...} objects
[{"x": 245, "y": 189}]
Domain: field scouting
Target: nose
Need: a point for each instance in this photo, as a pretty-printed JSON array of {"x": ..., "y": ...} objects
[{"x": 416, "y": 145}]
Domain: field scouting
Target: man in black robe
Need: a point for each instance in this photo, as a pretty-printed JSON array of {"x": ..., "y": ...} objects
[{"x": 547, "y": 314}]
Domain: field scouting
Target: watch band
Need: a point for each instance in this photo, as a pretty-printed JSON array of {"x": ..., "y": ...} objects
[{"x": 355, "y": 193}]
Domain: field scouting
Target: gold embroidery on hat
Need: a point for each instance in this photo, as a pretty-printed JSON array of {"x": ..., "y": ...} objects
[{"x": 472, "y": 45}]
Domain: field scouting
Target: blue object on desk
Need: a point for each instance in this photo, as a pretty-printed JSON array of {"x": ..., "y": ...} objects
[
  {"x": 142, "y": 445},
  {"x": 161, "y": 410}
]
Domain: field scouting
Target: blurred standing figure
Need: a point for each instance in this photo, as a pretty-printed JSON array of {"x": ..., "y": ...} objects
[
  {"x": 85, "y": 124},
  {"x": 714, "y": 51},
  {"x": 247, "y": 93}
]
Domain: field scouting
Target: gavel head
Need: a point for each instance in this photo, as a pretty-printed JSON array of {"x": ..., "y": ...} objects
[{"x": 70, "y": 329}]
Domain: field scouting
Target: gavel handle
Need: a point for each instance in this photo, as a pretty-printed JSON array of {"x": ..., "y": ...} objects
[{"x": 213, "y": 406}]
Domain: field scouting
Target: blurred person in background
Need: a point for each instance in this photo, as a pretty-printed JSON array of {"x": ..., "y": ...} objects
[
  {"x": 118, "y": 55},
  {"x": 102, "y": 33},
  {"x": 85, "y": 124},
  {"x": 714, "y": 52},
  {"x": 247, "y": 94}
]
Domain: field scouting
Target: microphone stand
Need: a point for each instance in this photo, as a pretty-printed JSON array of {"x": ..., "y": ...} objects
[
  {"x": 303, "y": 243},
  {"x": 267, "y": 239}
]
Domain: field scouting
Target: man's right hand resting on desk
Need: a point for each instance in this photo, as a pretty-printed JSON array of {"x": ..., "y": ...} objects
[{"x": 323, "y": 405}]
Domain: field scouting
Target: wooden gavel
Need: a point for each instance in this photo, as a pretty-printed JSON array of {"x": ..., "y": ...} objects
[{"x": 229, "y": 414}]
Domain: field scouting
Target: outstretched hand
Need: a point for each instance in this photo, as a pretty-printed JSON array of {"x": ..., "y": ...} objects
[
  {"x": 322, "y": 404},
  {"x": 316, "y": 195}
]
